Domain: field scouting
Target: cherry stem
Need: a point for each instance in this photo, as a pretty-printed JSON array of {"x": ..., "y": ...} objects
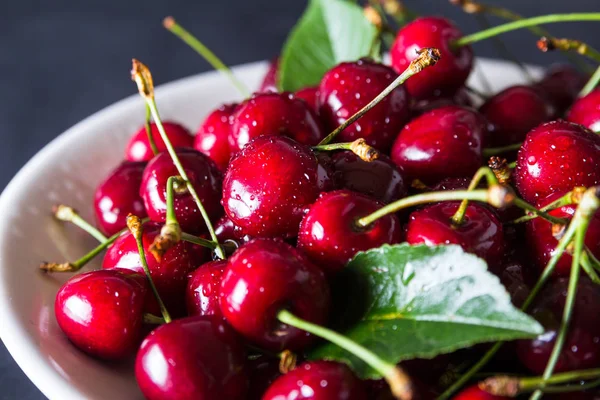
[
  {"x": 170, "y": 233},
  {"x": 198, "y": 240},
  {"x": 588, "y": 267},
  {"x": 546, "y": 44},
  {"x": 572, "y": 197},
  {"x": 153, "y": 319},
  {"x": 68, "y": 214},
  {"x": 149, "y": 131},
  {"x": 483, "y": 172},
  {"x": 358, "y": 147},
  {"x": 143, "y": 78},
  {"x": 499, "y": 167},
  {"x": 170, "y": 24},
  {"x": 522, "y": 204},
  {"x": 593, "y": 260},
  {"x": 287, "y": 361},
  {"x": 426, "y": 57},
  {"x": 572, "y": 388},
  {"x": 494, "y": 151},
  {"x": 591, "y": 84},
  {"x": 399, "y": 382}
]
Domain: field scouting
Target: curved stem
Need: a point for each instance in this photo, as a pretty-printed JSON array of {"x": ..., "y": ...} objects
[
  {"x": 197, "y": 240},
  {"x": 68, "y": 214},
  {"x": 494, "y": 151},
  {"x": 588, "y": 267},
  {"x": 170, "y": 233},
  {"x": 482, "y": 172},
  {"x": 147, "y": 125},
  {"x": 565, "y": 200},
  {"x": 538, "y": 213},
  {"x": 358, "y": 147},
  {"x": 591, "y": 84},
  {"x": 171, "y": 218}
]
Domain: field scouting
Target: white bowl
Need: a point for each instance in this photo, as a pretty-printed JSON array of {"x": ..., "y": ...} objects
[{"x": 67, "y": 170}]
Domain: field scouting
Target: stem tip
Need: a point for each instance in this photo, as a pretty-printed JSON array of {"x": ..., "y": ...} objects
[
  {"x": 363, "y": 150},
  {"x": 507, "y": 386},
  {"x": 427, "y": 56},
  {"x": 141, "y": 75},
  {"x": 500, "y": 196},
  {"x": 134, "y": 224},
  {"x": 55, "y": 267},
  {"x": 287, "y": 361},
  {"x": 499, "y": 167},
  {"x": 400, "y": 384},
  {"x": 168, "y": 22},
  {"x": 170, "y": 235}
]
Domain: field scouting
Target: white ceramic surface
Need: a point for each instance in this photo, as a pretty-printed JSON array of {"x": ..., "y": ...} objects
[{"x": 67, "y": 171}]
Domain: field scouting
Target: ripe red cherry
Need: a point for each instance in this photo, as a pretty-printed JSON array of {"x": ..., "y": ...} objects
[
  {"x": 269, "y": 184},
  {"x": 556, "y": 157},
  {"x": 348, "y": 87},
  {"x": 460, "y": 98},
  {"x": 318, "y": 380},
  {"x": 445, "y": 142},
  {"x": 118, "y": 196},
  {"x": 192, "y": 358},
  {"x": 311, "y": 96},
  {"x": 586, "y": 111},
  {"x": 212, "y": 137},
  {"x": 449, "y": 74},
  {"x": 275, "y": 114},
  {"x": 264, "y": 276},
  {"x": 101, "y": 312},
  {"x": 474, "y": 393},
  {"x": 329, "y": 235},
  {"x": 560, "y": 86},
  {"x": 269, "y": 83},
  {"x": 202, "y": 291},
  {"x": 226, "y": 230},
  {"x": 513, "y": 112},
  {"x": 138, "y": 148},
  {"x": 205, "y": 177},
  {"x": 480, "y": 233},
  {"x": 582, "y": 347}
]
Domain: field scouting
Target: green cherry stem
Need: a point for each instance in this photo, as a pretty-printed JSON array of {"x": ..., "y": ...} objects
[
  {"x": 591, "y": 84},
  {"x": 426, "y": 58},
  {"x": 593, "y": 260},
  {"x": 68, "y": 214},
  {"x": 538, "y": 213},
  {"x": 483, "y": 172},
  {"x": 399, "y": 382},
  {"x": 546, "y": 44},
  {"x": 170, "y": 233},
  {"x": 152, "y": 319},
  {"x": 147, "y": 124},
  {"x": 589, "y": 268},
  {"x": 358, "y": 147},
  {"x": 198, "y": 240},
  {"x": 494, "y": 151},
  {"x": 171, "y": 25},
  {"x": 572, "y": 388},
  {"x": 572, "y": 197}
]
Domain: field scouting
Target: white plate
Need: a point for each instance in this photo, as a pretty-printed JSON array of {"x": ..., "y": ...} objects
[{"x": 67, "y": 170}]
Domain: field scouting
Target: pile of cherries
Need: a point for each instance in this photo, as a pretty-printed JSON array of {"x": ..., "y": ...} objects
[{"x": 285, "y": 213}]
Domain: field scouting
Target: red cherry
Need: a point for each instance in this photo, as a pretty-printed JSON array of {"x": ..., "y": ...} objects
[
  {"x": 458, "y": 183},
  {"x": 474, "y": 393},
  {"x": 556, "y": 157},
  {"x": 318, "y": 380},
  {"x": 586, "y": 111},
  {"x": 138, "y": 148},
  {"x": 330, "y": 236},
  {"x": 226, "y": 230},
  {"x": 311, "y": 96},
  {"x": 460, "y": 98},
  {"x": 118, "y": 196},
  {"x": 560, "y": 86},
  {"x": 101, "y": 312},
  {"x": 192, "y": 358},
  {"x": 445, "y": 142},
  {"x": 348, "y": 87},
  {"x": 264, "y": 276},
  {"x": 269, "y": 83},
  {"x": 275, "y": 114},
  {"x": 212, "y": 138},
  {"x": 205, "y": 177},
  {"x": 203, "y": 286},
  {"x": 452, "y": 70},
  {"x": 269, "y": 184}
]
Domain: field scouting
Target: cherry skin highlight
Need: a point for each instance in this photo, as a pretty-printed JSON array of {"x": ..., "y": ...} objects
[
  {"x": 212, "y": 138},
  {"x": 139, "y": 149},
  {"x": 586, "y": 111},
  {"x": 203, "y": 288}
]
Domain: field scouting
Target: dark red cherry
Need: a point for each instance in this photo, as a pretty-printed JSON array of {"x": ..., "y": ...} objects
[
  {"x": 205, "y": 177},
  {"x": 118, "y": 196},
  {"x": 556, "y": 157},
  {"x": 449, "y": 74},
  {"x": 445, "y": 142},
  {"x": 226, "y": 230},
  {"x": 329, "y": 235},
  {"x": 101, "y": 312},
  {"x": 138, "y": 148},
  {"x": 481, "y": 232},
  {"x": 458, "y": 183},
  {"x": 513, "y": 112},
  {"x": 265, "y": 276},
  {"x": 586, "y": 111},
  {"x": 212, "y": 137},
  {"x": 269, "y": 184},
  {"x": 474, "y": 393},
  {"x": 269, "y": 83},
  {"x": 348, "y": 87},
  {"x": 311, "y": 96},
  {"x": 582, "y": 347},
  {"x": 192, "y": 358},
  {"x": 460, "y": 98},
  {"x": 203, "y": 288},
  {"x": 275, "y": 114},
  {"x": 560, "y": 86},
  {"x": 262, "y": 372},
  {"x": 318, "y": 380}
]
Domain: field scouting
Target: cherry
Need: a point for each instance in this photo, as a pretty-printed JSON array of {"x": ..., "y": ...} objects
[
  {"x": 202, "y": 292},
  {"x": 101, "y": 312},
  {"x": 444, "y": 142},
  {"x": 474, "y": 393},
  {"x": 192, "y": 358},
  {"x": 264, "y": 276},
  {"x": 348, "y": 87},
  {"x": 449, "y": 74},
  {"x": 556, "y": 157},
  {"x": 586, "y": 111},
  {"x": 118, "y": 196},
  {"x": 275, "y": 114},
  {"x": 560, "y": 86},
  {"x": 311, "y": 96},
  {"x": 269, "y": 83},
  {"x": 329, "y": 235},
  {"x": 262, "y": 372},
  {"x": 318, "y": 380},
  {"x": 513, "y": 112},
  {"x": 212, "y": 137},
  {"x": 582, "y": 346},
  {"x": 457, "y": 183},
  {"x": 138, "y": 148},
  {"x": 460, "y": 98},
  {"x": 269, "y": 184},
  {"x": 205, "y": 177},
  {"x": 226, "y": 230}
]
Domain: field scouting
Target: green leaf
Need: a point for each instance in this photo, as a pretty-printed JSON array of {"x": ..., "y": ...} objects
[
  {"x": 420, "y": 301},
  {"x": 329, "y": 32}
]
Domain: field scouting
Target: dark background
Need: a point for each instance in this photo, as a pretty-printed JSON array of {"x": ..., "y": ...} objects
[{"x": 61, "y": 61}]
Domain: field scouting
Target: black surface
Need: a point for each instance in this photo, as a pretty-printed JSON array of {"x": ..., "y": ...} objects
[{"x": 61, "y": 61}]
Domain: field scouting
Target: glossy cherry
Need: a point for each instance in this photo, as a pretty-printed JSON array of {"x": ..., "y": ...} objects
[
  {"x": 192, "y": 358},
  {"x": 118, "y": 196},
  {"x": 460, "y": 98},
  {"x": 556, "y": 157},
  {"x": 449, "y": 74},
  {"x": 444, "y": 142},
  {"x": 586, "y": 111},
  {"x": 275, "y": 114},
  {"x": 205, "y": 177},
  {"x": 560, "y": 86},
  {"x": 265, "y": 276},
  {"x": 226, "y": 230},
  {"x": 269, "y": 83},
  {"x": 329, "y": 235},
  {"x": 311, "y": 96},
  {"x": 203, "y": 288},
  {"x": 582, "y": 347},
  {"x": 101, "y": 312},
  {"x": 318, "y": 380},
  {"x": 212, "y": 137},
  {"x": 138, "y": 148},
  {"x": 269, "y": 184},
  {"x": 474, "y": 393}
]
